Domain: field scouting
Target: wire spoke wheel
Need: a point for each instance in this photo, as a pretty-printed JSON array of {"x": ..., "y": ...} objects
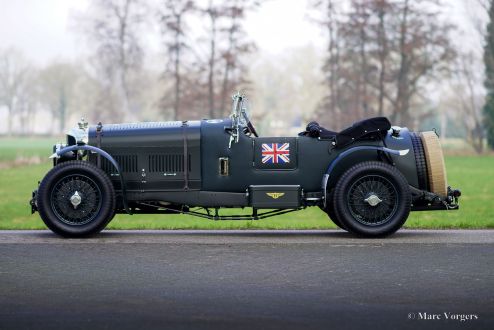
[
  {"x": 328, "y": 208},
  {"x": 372, "y": 199},
  {"x": 361, "y": 195},
  {"x": 76, "y": 199},
  {"x": 63, "y": 194}
]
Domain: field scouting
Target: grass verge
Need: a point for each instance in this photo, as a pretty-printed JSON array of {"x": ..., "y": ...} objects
[{"x": 473, "y": 175}]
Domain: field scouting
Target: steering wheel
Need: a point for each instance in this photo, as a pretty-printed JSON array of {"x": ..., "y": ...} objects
[{"x": 249, "y": 129}]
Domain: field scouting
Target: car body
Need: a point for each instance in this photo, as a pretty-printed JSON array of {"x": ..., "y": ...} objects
[{"x": 367, "y": 177}]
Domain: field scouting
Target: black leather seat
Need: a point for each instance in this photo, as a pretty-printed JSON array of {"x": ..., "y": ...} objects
[
  {"x": 360, "y": 129},
  {"x": 314, "y": 130}
]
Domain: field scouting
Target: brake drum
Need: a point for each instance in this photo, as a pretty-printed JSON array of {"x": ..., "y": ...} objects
[{"x": 435, "y": 163}]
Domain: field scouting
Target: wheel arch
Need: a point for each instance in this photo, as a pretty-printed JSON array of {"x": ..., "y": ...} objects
[
  {"x": 335, "y": 164},
  {"x": 104, "y": 154},
  {"x": 66, "y": 173},
  {"x": 371, "y": 179}
]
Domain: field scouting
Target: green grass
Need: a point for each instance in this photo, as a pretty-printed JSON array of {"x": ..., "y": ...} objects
[
  {"x": 15, "y": 148},
  {"x": 473, "y": 175}
]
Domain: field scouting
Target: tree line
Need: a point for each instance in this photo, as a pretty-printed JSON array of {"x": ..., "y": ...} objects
[
  {"x": 395, "y": 58},
  {"x": 197, "y": 70},
  {"x": 402, "y": 59},
  {"x": 199, "y": 66}
]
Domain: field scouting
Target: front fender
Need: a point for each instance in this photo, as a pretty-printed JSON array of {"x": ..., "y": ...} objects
[{"x": 103, "y": 153}]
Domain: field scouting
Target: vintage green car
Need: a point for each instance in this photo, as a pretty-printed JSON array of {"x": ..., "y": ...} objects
[{"x": 367, "y": 178}]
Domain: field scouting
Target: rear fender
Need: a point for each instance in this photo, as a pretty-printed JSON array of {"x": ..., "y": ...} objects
[{"x": 350, "y": 151}]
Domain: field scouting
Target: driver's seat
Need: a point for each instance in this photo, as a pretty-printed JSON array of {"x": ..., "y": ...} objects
[
  {"x": 377, "y": 126},
  {"x": 315, "y": 130}
]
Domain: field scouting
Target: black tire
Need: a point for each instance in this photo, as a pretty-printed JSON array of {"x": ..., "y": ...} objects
[
  {"x": 420, "y": 161},
  {"x": 330, "y": 211},
  {"x": 93, "y": 187},
  {"x": 365, "y": 180}
]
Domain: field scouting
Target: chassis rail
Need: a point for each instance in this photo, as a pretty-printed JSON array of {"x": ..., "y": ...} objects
[{"x": 215, "y": 216}]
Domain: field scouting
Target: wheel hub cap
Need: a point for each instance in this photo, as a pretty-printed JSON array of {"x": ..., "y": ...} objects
[
  {"x": 76, "y": 199},
  {"x": 373, "y": 200}
]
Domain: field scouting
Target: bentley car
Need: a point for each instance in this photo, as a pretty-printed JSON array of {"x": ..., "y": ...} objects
[{"x": 367, "y": 178}]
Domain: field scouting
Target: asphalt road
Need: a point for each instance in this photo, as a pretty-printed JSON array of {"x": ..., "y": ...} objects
[{"x": 247, "y": 280}]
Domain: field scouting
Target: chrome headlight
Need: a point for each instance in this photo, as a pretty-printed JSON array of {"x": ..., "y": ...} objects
[{"x": 80, "y": 133}]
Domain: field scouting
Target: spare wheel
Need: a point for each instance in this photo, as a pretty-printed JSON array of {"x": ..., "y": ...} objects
[{"x": 435, "y": 163}]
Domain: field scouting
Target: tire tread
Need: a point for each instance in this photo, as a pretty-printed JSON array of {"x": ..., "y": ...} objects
[
  {"x": 107, "y": 207},
  {"x": 404, "y": 200}
]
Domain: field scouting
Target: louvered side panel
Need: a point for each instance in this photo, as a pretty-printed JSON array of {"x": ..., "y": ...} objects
[
  {"x": 128, "y": 164},
  {"x": 167, "y": 163}
]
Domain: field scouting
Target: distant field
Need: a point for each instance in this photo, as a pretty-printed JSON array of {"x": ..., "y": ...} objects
[
  {"x": 474, "y": 175},
  {"x": 12, "y": 149}
]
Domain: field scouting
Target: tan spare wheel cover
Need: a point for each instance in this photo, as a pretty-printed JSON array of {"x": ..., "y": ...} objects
[{"x": 435, "y": 163}]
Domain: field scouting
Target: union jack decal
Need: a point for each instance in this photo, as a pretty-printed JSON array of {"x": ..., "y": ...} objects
[{"x": 276, "y": 153}]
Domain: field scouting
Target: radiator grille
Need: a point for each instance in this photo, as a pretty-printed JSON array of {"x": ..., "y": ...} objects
[{"x": 167, "y": 163}]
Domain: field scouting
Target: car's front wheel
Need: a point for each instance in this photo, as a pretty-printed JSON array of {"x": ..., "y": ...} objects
[
  {"x": 372, "y": 199},
  {"x": 76, "y": 199}
]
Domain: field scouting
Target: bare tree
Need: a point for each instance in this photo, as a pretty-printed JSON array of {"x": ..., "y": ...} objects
[
  {"x": 57, "y": 83},
  {"x": 172, "y": 17},
  {"x": 424, "y": 50},
  {"x": 383, "y": 9},
  {"x": 387, "y": 52},
  {"x": 212, "y": 11},
  {"x": 227, "y": 45},
  {"x": 350, "y": 63},
  {"x": 356, "y": 69},
  {"x": 113, "y": 27},
  {"x": 27, "y": 103},
  {"x": 14, "y": 77},
  {"x": 486, "y": 32},
  {"x": 330, "y": 21},
  {"x": 469, "y": 99},
  {"x": 237, "y": 46}
]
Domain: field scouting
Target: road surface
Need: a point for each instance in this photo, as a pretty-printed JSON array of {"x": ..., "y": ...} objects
[{"x": 247, "y": 280}]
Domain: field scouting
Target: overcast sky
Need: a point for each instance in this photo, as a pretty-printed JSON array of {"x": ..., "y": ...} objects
[{"x": 44, "y": 30}]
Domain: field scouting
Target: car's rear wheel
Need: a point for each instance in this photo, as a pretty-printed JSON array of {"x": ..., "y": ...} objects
[
  {"x": 372, "y": 199},
  {"x": 330, "y": 211},
  {"x": 76, "y": 199}
]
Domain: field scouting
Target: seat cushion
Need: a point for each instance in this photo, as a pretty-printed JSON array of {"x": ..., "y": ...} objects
[{"x": 361, "y": 128}]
